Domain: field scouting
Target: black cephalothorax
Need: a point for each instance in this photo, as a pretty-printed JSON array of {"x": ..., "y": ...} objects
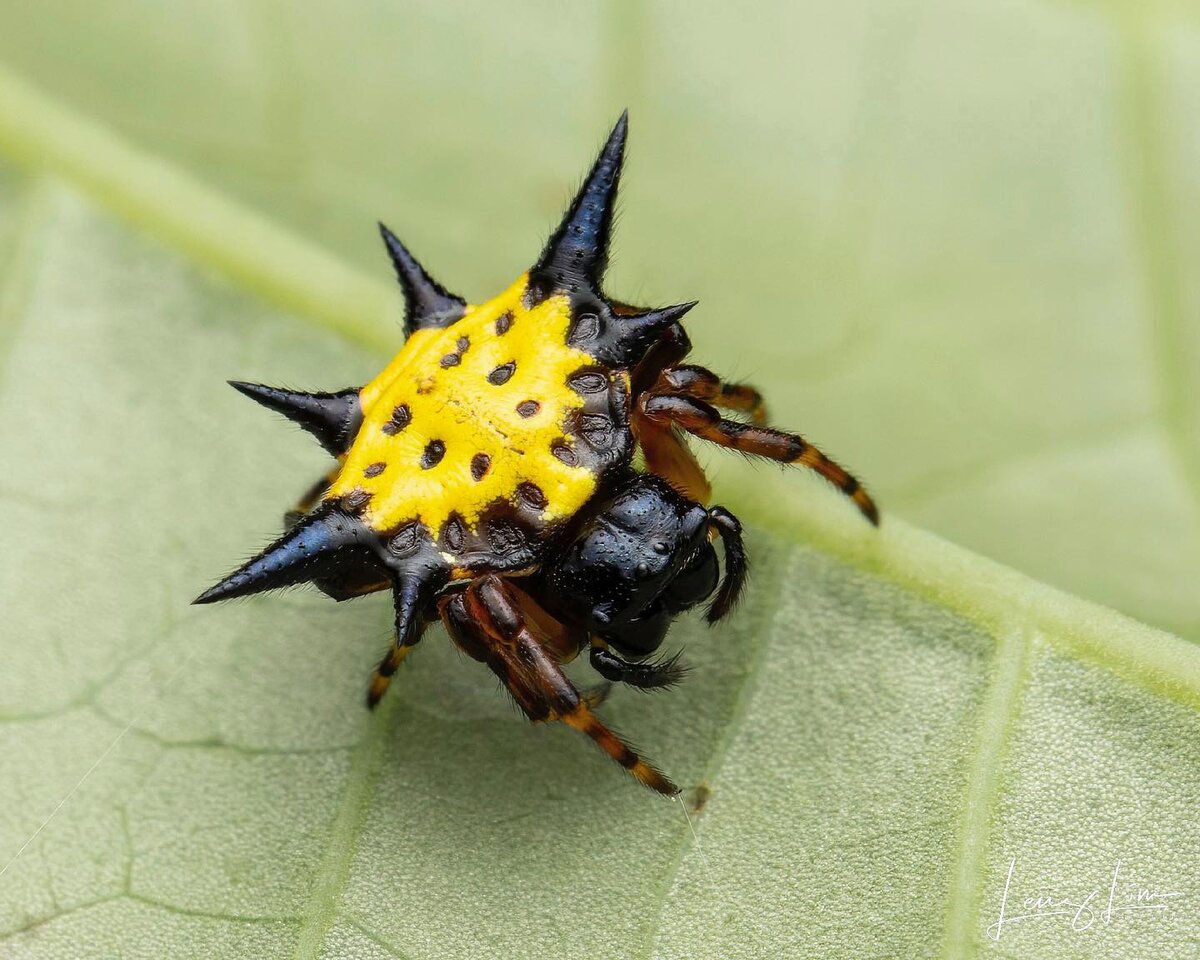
[{"x": 486, "y": 478}]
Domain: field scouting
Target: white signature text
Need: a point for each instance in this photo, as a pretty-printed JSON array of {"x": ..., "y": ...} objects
[{"x": 1081, "y": 912}]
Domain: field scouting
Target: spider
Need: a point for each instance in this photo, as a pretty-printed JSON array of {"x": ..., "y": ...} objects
[{"x": 486, "y": 477}]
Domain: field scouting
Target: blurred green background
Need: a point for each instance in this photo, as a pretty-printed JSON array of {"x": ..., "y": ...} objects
[{"x": 953, "y": 241}]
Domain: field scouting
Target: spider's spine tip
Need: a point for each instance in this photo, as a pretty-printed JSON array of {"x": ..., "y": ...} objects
[
  {"x": 211, "y": 595},
  {"x": 426, "y": 302}
]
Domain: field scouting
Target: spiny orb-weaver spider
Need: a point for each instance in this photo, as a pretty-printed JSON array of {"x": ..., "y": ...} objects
[{"x": 486, "y": 477}]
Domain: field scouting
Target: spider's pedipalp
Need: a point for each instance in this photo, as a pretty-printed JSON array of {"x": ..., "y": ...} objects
[
  {"x": 646, "y": 675},
  {"x": 729, "y": 529}
]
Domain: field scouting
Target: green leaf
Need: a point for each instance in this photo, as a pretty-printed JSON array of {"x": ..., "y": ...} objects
[{"x": 887, "y": 724}]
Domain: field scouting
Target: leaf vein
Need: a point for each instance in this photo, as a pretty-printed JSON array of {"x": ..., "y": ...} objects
[
  {"x": 997, "y": 716},
  {"x": 364, "y": 928},
  {"x": 334, "y": 870}
]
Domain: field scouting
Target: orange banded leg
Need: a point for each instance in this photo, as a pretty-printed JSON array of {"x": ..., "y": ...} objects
[
  {"x": 689, "y": 380},
  {"x": 408, "y": 600},
  {"x": 583, "y": 720},
  {"x": 381, "y": 679},
  {"x": 704, "y": 421},
  {"x": 486, "y": 622}
]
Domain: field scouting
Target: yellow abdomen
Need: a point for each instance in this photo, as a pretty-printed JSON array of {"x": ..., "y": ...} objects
[{"x": 479, "y": 418}]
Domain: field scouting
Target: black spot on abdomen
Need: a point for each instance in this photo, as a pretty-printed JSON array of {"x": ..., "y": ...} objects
[
  {"x": 565, "y": 454},
  {"x": 454, "y": 358},
  {"x": 597, "y": 430},
  {"x": 401, "y": 418},
  {"x": 432, "y": 456},
  {"x": 502, "y": 374},
  {"x": 532, "y": 494},
  {"x": 454, "y": 534},
  {"x": 587, "y": 381},
  {"x": 355, "y": 502},
  {"x": 584, "y": 328},
  {"x": 405, "y": 540},
  {"x": 504, "y": 536}
]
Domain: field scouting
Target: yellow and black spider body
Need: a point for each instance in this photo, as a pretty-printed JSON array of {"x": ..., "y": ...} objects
[{"x": 486, "y": 477}]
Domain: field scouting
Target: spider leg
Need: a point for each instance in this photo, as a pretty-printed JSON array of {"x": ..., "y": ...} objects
[
  {"x": 668, "y": 455},
  {"x": 486, "y": 622},
  {"x": 562, "y": 641},
  {"x": 699, "y": 383},
  {"x": 704, "y": 421},
  {"x": 649, "y": 675},
  {"x": 410, "y": 627},
  {"x": 595, "y": 696},
  {"x": 664, "y": 449},
  {"x": 381, "y": 679},
  {"x": 309, "y": 498}
]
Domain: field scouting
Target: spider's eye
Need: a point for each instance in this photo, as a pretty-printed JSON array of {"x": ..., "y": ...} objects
[
  {"x": 643, "y": 569},
  {"x": 662, "y": 548}
]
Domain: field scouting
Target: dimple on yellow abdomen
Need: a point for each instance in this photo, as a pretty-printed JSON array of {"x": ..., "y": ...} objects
[{"x": 450, "y": 399}]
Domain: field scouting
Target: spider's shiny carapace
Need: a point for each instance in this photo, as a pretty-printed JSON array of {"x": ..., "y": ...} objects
[{"x": 486, "y": 477}]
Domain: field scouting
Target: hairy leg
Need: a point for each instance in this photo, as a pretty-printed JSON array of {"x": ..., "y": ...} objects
[
  {"x": 689, "y": 380},
  {"x": 704, "y": 421},
  {"x": 381, "y": 679},
  {"x": 486, "y": 621},
  {"x": 410, "y": 627}
]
